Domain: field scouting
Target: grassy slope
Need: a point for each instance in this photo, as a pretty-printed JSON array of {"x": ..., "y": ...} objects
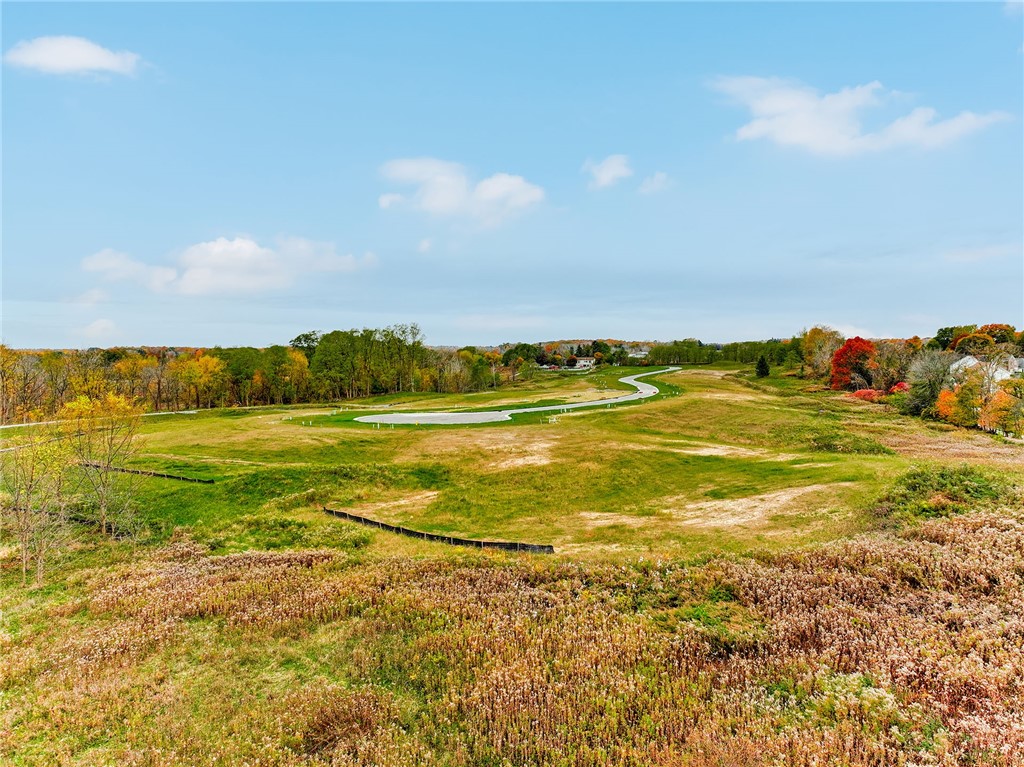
[{"x": 389, "y": 649}]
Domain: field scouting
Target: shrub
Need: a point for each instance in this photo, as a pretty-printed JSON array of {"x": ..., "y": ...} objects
[
  {"x": 940, "y": 492},
  {"x": 868, "y": 395}
]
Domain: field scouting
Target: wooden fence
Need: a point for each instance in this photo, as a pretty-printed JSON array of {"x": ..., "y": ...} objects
[
  {"x": 148, "y": 473},
  {"x": 532, "y": 548}
]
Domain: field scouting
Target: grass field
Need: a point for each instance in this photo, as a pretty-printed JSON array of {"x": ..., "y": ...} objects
[{"x": 746, "y": 572}]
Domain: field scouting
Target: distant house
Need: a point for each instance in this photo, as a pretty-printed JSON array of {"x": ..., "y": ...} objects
[
  {"x": 993, "y": 369},
  {"x": 585, "y": 363}
]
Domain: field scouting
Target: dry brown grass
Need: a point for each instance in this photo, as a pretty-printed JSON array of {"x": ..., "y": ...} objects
[
  {"x": 889, "y": 649},
  {"x": 954, "y": 445}
]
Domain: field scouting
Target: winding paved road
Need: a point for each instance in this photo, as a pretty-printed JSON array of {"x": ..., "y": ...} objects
[{"x": 643, "y": 391}]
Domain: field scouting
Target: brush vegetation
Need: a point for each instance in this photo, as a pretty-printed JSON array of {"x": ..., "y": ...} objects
[{"x": 746, "y": 573}]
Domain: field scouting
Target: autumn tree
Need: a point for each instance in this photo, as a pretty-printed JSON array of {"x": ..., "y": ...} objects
[
  {"x": 892, "y": 362},
  {"x": 306, "y": 343},
  {"x": 102, "y": 434},
  {"x": 35, "y": 500},
  {"x": 1000, "y": 333},
  {"x": 851, "y": 364},
  {"x": 927, "y": 375},
  {"x": 819, "y": 345},
  {"x": 968, "y": 400},
  {"x": 977, "y": 344},
  {"x": 946, "y": 338}
]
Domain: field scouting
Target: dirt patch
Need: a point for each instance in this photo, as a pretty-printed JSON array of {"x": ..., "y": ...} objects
[
  {"x": 726, "y": 451},
  {"x": 728, "y": 396},
  {"x": 504, "y": 448},
  {"x": 538, "y": 454},
  {"x": 756, "y": 509},
  {"x": 382, "y": 509}
]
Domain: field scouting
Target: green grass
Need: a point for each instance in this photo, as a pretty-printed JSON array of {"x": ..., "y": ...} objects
[{"x": 603, "y": 482}]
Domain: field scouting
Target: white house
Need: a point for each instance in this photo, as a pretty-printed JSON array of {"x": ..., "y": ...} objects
[
  {"x": 585, "y": 363},
  {"x": 993, "y": 369}
]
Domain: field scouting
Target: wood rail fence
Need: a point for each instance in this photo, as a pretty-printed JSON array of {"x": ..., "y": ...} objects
[
  {"x": 532, "y": 548},
  {"x": 143, "y": 473}
]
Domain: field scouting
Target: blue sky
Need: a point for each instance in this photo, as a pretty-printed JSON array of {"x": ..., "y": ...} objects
[{"x": 201, "y": 174}]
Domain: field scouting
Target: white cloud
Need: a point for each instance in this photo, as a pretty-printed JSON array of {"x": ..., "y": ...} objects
[
  {"x": 983, "y": 253},
  {"x": 610, "y": 171},
  {"x": 90, "y": 297},
  {"x": 305, "y": 255},
  {"x": 117, "y": 266},
  {"x": 659, "y": 182},
  {"x": 424, "y": 245},
  {"x": 99, "y": 330},
  {"x": 792, "y": 114},
  {"x": 445, "y": 189},
  {"x": 228, "y": 266},
  {"x": 66, "y": 55},
  {"x": 240, "y": 266}
]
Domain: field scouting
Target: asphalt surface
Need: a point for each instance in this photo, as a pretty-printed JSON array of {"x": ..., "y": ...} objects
[{"x": 643, "y": 391}]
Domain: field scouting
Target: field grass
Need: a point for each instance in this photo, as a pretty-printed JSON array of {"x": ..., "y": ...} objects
[{"x": 746, "y": 572}]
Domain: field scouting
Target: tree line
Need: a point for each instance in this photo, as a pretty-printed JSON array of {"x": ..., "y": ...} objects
[
  {"x": 341, "y": 364},
  {"x": 346, "y": 364}
]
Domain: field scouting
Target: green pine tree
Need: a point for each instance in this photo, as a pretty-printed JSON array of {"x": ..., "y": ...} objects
[{"x": 762, "y": 367}]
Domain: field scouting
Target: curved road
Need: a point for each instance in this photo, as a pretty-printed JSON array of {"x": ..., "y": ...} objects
[{"x": 643, "y": 391}]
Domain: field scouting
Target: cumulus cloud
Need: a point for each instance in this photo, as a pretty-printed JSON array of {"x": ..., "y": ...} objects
[
  {"x": 445, "y": 188},
  {"x": 658, "y": 182},
  {"x": 90, "y": 297},
  {"x": 608, "y": 172},
  {"x": 66, "y": 55},
  {"x": 99, "y": 330},
  {"x": 792, "y": 114},
  {"x": 239, "y": 266},
  {"x": 116, "y": 266}
]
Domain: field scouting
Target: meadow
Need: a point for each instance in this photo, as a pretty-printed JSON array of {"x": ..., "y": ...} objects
[{"x": 746, "y": 572}]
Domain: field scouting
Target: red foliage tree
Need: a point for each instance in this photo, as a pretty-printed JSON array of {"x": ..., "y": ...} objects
[{"x": 853, "y": 358}]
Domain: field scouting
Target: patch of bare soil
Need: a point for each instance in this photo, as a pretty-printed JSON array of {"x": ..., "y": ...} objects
[
  {"x": 535, "y": 454},
  {"x": 728, "y": 396},
  {"x": 728, "y": 451},
  {"x": 505, "y": 448},
  {"x": 381, "y": 509},
  {"x": 756, "y": 509},
  {"x": 960, "y": 445}
]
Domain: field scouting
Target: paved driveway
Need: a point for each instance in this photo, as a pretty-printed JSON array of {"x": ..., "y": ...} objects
[{"x": 643, "y": 391}]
